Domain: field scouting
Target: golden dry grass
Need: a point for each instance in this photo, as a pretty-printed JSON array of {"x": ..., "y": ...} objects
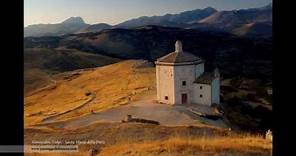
[
  {"x": 112, "y": 85},
  {"x": 154, "y": 140},
  {"x": 58, "y": 154},
  {"x": 35, "y": 78},
  {"x": 238, "y": 145}
]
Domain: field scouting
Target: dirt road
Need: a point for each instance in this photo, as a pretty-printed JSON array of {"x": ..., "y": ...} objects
[{"x": 165, "y": 114}]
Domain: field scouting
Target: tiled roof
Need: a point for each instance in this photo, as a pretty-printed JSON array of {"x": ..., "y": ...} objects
[
  {"x": 205, "y": 78},
  {"x": 179, "y": 57}
]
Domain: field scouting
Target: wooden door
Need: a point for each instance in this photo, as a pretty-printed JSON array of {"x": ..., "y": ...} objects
[{"x": 184, "y": 98}]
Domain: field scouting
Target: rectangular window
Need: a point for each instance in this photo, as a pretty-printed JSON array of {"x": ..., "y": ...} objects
[
  {"x": 200, "y": 95},
  {"x": 200, "y": 87},
  {"x": 166, "y": 97},
  {"x": 183, "y": 83}
]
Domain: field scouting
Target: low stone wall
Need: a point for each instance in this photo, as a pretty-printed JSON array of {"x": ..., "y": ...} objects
[{"x": 129, "y": 118}]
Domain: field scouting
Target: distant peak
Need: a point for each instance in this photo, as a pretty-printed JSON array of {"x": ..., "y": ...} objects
[
  {"x": 207, "y": 9},
  {"x": 210, "y": 9},
  {"x": 268, "y": 6},
  {"x": 74, "y": 20}
]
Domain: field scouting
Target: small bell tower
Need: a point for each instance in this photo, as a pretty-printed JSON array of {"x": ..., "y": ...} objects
[
  {"x": 216, "y": 73},
  {"x": 178, "y": 46}
]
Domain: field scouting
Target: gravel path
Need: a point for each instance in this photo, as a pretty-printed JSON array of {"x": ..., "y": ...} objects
[
  {"x": 165, "y": 114},
  {"x": 53, "y": 117}
]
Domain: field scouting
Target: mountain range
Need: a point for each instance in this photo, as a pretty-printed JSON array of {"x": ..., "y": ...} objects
[
  {"x": 173, "y": 20},
  {"x": 238, "y": 42},
  {"x": 76, "y": 72},
  {"x": 244, "y": 22},
  {"x": 235, "y": 55},
  {"x": 70, "y": 25}
]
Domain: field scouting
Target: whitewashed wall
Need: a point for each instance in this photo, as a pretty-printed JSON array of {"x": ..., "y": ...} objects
[
  {"x": 165, "y": 84},
  {"x": 184, "y": 73},
  {"x": 169, "y": 83},
  {"x": 205, "y": 92}
]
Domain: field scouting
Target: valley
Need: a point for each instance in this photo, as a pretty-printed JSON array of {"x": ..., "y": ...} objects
[
  {"x": 41, "y": 63},
  {"x": 73, "y": 90},
  {"x": 90, "y": 104},
  {"x": 84, "y": 81}
]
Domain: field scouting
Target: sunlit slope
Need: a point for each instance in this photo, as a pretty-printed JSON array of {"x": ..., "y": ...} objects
[
  {"x": 134, "y": 139},
  {"x": 85, "y": 91},
  {"x": 41, "y": 63},
  {"x": 225, "y": 146}
]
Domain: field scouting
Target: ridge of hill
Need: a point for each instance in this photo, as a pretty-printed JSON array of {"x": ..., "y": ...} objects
[
  {"x": 70, "y": 25},
  {"x": 234, "y": 55},
  {"x": 88, "y": 92},
  {"x": 100, "y": 88},
  {"x": 203, "y": 19},
  {"x": 41, "y": 63}
]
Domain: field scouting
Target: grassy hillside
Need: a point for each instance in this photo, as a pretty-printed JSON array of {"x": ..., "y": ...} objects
[
  {"x": 225, "y": 146},
  {"x": 95, "y": 89},
  {"x": 150, "y": 140},
  {"x": 41, "y": 63},
  {"x": 35, "y": 78},
  {"x": 95, "y": 28},
  {"x": 235, "y": 56},
  {"x": 261, "y": 29},
  {"x": 61, "y": 59},
  {"x": 81, "y": 92}
]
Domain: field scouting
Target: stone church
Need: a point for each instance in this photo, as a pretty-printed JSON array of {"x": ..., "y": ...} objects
[{"x": 181, "y": 79}]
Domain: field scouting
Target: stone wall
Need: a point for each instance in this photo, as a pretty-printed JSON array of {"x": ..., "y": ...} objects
[
  {"x": 165, "y": 84},
  {"x": 170, "y": 79},
  {"x": 202, "y": 94},
  {"x": 184, "y": 74}
]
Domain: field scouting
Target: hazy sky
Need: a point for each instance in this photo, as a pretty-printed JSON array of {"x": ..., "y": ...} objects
[{"x": 116, "y": 11}]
